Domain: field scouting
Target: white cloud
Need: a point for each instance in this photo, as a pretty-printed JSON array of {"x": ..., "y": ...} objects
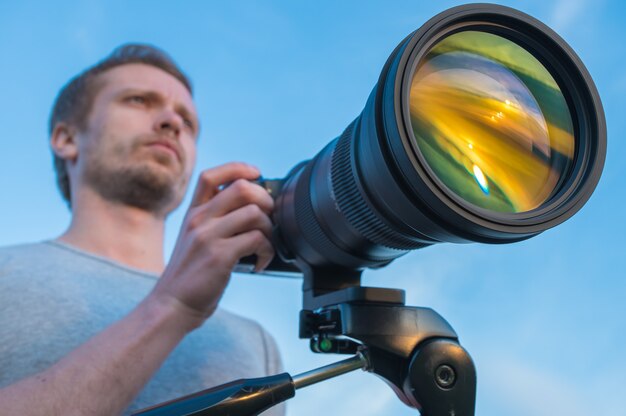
[
  {"x": 88, "y": 17},
  {"x": 567, "y": 13},
  {"x": 527, "y": 390}
]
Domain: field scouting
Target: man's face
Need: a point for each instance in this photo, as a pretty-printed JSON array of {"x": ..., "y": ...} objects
[{"x": 139, "y": 145}]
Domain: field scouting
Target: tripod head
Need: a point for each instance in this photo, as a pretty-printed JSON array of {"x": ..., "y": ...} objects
[{"x": 413, "y": 349}]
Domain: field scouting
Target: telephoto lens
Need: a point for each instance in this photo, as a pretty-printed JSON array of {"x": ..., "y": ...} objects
[{"x": 484, "y": 126}]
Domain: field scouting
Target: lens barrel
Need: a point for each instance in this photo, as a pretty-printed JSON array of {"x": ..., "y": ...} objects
[{"x": 400, "y": 176}]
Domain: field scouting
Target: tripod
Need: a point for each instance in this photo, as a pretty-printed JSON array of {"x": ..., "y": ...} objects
[{"x": 412, "y": 348}]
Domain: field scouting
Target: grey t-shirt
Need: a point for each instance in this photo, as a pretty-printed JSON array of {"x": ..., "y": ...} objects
[{"x": 54, "y": 297}]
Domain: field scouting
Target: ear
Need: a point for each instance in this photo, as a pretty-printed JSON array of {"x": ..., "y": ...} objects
[{"x": 63, "y": 142}]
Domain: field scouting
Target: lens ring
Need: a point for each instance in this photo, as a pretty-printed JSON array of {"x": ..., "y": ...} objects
[{"x": 578, "y": 90}]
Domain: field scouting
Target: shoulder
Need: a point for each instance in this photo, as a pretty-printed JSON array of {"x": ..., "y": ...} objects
[
  {"x": 231, "y": 328},
  {"x": 227, "y": 317},
  {"x": 245, "y": 328},
  {"x": 23, "y": 249},
  {"x": 34, "y": 251},
  {"x": 24, "y": 254},
  {"x": 36, "y": 259}
]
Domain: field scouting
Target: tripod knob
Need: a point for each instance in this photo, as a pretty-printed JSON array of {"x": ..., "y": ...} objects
[{"x": 441, "y": 379}]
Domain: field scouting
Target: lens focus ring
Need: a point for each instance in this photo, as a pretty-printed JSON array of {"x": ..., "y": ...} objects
[{"x": 352, "y": 204}]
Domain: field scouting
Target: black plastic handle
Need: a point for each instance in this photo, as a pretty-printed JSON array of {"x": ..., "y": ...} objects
[{"x": 245, "y": 397}]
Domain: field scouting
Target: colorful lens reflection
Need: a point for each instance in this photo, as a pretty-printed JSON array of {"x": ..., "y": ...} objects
[{"x": 491, "y": 122}]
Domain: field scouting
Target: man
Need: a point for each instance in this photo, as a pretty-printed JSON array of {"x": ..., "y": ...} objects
[{"x": 90, "y": 318}]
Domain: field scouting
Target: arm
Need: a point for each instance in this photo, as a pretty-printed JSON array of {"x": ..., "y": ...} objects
[{"x": 102, "y": 376}]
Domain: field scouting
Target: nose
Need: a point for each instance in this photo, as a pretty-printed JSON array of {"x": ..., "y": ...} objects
[{"x": 168, "y": 122}]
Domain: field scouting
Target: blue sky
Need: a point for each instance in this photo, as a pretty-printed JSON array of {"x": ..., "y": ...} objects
[{"x": 543, "y": 319}]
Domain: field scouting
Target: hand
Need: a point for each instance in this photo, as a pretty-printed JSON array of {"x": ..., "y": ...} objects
[{"x": 220, "y": 227}]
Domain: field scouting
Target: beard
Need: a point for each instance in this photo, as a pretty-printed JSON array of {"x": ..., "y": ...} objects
[{"x": 126, "y": 176}]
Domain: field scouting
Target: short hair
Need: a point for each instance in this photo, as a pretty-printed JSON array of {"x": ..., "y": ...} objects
[{"x": 74, "y": 101}]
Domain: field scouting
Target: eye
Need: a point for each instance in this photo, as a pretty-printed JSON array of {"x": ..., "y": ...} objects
[
  {"x": 137, "y": 99},
  {"x": 189, "y": 123}
]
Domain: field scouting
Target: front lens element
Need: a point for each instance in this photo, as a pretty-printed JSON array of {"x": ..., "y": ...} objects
[{"x": 491, "y": 122}]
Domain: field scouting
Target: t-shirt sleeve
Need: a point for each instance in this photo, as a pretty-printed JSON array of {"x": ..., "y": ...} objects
[
  {"x": 273, "y": 362},
  {"x": 273, "y": 365}
]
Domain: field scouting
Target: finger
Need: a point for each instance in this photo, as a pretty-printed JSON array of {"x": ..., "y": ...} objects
[
  {"x": 211, "y": 179},
  {"x": 242, "y": 220},
  {"x": 237, "y": 195},
  {"x": 254, "y": 242}
]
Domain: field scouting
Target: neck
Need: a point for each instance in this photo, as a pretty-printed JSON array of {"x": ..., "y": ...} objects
[{"x": 128, "y": 235}]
